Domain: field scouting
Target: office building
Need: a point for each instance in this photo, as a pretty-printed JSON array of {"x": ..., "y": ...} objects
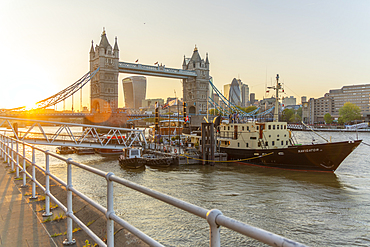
[
  {"x": 288, "y": 101},
  {"x": 244, "y": 93},
  {"x": 237, "y": 93},
  {"x": 150, "y": 103},
  {"x": 335, "y": 99},
  {"x": 252, "y": 98},
  {"x": 134, "y": 89}
]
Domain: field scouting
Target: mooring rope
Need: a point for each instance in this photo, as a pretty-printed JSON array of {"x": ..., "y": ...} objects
[{"x": 227, "y": 160}]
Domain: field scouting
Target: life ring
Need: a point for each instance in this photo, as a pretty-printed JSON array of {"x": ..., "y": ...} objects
[{"x": 175, "y": 150}]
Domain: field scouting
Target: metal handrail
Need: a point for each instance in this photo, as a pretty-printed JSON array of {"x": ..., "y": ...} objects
[{"x": 214, "y": 217}]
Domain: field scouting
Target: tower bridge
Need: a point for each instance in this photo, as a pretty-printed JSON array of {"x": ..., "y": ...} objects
[
  {"x": 103, "y": 77},
  {"x": 104, "y": 85}
]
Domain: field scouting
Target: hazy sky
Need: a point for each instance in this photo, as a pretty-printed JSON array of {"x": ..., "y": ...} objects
[{"x": 314, "y": 45}]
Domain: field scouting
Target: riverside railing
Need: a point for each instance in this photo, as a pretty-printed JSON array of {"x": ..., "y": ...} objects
[{"x": 9, "y": 151}]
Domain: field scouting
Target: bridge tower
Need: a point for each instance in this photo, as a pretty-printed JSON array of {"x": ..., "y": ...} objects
[
  {"x": 196, "y": 89},
  {"x": 104, "y": 85}
]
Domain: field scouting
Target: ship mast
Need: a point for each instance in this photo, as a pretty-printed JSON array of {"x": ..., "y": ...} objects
[{"x": 276, "y": 88}]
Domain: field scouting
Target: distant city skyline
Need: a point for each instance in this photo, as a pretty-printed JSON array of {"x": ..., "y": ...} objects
[{"x": 314, "y": 46}]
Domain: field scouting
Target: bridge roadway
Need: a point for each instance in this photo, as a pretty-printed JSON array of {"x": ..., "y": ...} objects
[{"x": 162, "y": 71}]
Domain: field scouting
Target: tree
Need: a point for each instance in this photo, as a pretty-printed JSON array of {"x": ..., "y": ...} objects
[
  {"x": 288, "y": 114},
  {"x": 299, "y": 112},
  {"x": 250, "y": 108},
  {"x": 349, "y": 112},
  {"x": 327, "y": 118},
  {"x": 295, "y": 119},
  {"x": 213, "y": 111}
]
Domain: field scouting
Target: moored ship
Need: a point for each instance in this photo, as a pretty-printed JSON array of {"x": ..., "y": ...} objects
[{"x": 270, "y": 144}]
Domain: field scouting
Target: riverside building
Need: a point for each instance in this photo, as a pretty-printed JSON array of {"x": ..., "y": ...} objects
[{"x": 359, "y": 95}]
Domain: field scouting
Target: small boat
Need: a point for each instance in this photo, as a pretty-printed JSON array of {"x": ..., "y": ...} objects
[
  {"x": 132, "y": 158},
  {"x": 82, "y": 151},
  {"x": 108, "y": 139},
  {"x": 107, "y": 151},
  {"x": 64, "y": 150},
  {"x": 152, "y": 160}
]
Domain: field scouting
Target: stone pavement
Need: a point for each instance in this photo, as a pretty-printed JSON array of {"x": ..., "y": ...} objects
[{"x": 19, "y": 226}]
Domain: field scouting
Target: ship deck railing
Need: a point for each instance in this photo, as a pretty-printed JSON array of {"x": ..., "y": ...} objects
[{"x": 12, "y": 150}]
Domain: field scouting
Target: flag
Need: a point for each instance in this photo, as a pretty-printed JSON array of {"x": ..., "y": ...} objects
[
  {"x": 187, "y": 119},
  {"x": 156, "y": 63},
  {"x": 172, "y": 102},
  {"x": 137, "y": 61},
  {"x": 164, "y": 106}
]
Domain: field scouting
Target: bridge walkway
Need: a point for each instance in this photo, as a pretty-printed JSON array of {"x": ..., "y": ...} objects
[{"x": 19, "y": 225}]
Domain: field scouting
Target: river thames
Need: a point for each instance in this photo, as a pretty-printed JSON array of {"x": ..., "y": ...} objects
[{"x": 316, "y": 209}]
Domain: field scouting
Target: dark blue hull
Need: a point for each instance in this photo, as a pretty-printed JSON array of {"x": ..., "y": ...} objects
[{"x": 318, "y": 157}]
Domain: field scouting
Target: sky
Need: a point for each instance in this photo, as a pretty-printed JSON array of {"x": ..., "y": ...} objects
[{"x": 314, "y": 46}]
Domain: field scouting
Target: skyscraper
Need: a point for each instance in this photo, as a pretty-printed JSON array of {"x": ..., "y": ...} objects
[
  {"x": 134, "y": 89},
  {"x": 234, "y": 93},
  {"x": 237, "y": 92},
  {"x": 252, "y": 98},
  {"x": 244, "y": 93}
]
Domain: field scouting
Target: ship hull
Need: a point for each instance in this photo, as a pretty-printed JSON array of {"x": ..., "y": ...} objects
[{"x": 318, "y": 157}]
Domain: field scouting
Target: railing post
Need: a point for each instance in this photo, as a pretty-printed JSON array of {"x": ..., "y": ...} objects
[
  {"x": 47, "y": 186},
  {"x": 12, "y": 155},
  {"x": 6, "y": 150},
  {"x": 17, "y": 159},
  {"x": 24, "y": 167},
  {"x": 110, "y": 210},
  {"x": 69, "y": 240},
  {"x": 33, "y": 174},
  {"x": 3, "y": 153},
  {"x": 2, "y": 146},
  {"x": 214, "y": 236}
]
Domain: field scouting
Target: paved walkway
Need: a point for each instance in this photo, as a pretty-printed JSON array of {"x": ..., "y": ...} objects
[{"x": 19, "y": 226}]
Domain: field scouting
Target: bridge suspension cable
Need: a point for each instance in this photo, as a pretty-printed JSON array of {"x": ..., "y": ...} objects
[
  {"x": 234, "y": 108},
  {"x": 229, "y": 103},
  {"x": 67, "y": 92}
]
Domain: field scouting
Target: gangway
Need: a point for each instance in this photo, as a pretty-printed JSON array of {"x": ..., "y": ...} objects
[{"x": 65, "y": 134}]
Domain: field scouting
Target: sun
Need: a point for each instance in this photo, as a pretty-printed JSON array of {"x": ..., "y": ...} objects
[{"x": 31, "y": 106}]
